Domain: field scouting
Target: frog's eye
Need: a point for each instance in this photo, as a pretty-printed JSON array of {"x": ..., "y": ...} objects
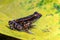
[{"x": 35, "y": 12}]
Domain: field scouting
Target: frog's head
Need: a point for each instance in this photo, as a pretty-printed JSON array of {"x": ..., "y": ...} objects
[{"x": 37, "y": 15}]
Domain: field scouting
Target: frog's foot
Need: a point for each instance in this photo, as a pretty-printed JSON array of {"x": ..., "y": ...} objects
[{"x": 28, "y": 31}]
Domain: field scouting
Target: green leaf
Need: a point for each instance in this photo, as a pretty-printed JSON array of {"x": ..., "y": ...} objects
[{"x": 47, "y": 27}]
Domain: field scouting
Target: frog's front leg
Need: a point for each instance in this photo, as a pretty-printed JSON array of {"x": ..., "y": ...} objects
[
  {"x": 25, "y": 28},
  {"x": 31, "y": 26}
]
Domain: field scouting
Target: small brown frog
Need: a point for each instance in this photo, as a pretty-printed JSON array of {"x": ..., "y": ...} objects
[{"x": 24, "y": 23}]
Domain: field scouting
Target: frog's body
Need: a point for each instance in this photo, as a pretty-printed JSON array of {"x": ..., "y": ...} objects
[{"x": 24, "y": 23}]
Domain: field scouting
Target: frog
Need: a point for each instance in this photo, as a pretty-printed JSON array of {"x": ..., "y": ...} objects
[{"x": 25, "y": 23}]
